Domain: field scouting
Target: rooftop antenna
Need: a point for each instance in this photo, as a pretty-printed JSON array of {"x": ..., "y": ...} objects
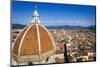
[{"x": 35, "y": 7}]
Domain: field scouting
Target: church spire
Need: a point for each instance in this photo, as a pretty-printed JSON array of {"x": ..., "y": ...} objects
[{"x": 36, "y": 16}]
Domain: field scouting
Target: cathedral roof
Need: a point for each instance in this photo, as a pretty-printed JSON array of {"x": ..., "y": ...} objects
[
  {"x": 34, "y": 39},
  {"x": 34, "y": 43}
]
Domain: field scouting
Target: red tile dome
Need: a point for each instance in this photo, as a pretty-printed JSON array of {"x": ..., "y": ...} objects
[{"x": 34, "y": 43}]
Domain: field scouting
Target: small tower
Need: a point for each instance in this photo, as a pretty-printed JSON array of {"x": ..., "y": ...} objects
[
  {"x": 34, "y": 44},
  {"x": 36, "y": 16}
]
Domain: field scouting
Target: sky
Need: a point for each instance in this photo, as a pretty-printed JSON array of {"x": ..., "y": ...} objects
[{"x": 53, "y": 14}]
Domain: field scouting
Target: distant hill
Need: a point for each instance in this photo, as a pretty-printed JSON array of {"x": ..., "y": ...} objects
[
  {"x": 65, "y": 27},
  {"x": 18, "y": 26},
  {"x": 93, "y": 27}
]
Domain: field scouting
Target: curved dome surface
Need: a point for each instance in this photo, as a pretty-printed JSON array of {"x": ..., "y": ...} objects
[{"x": 34, "y": 43}]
